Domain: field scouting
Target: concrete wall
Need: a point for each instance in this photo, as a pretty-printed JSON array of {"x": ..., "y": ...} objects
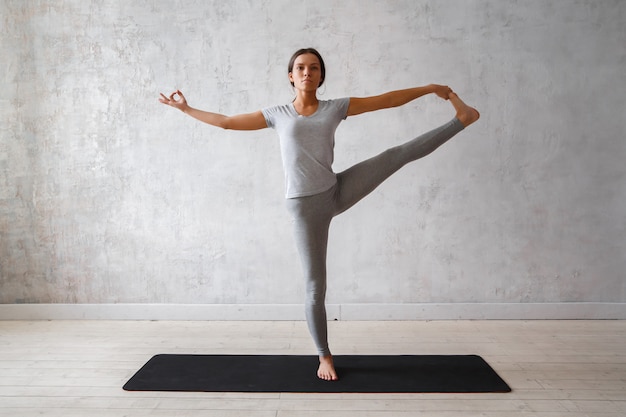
[{"x": 107, "y": 196}]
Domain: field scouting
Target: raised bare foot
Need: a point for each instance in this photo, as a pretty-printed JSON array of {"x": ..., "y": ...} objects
[
  {"x": 326, "y": 371},
  {"x": 466, "y": 114}
]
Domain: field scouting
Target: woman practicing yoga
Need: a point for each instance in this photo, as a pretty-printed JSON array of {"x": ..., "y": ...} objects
[{"x": 315, "y": 194}]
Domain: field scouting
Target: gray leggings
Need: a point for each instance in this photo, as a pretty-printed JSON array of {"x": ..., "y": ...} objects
[{"x": 313, "y": 215}]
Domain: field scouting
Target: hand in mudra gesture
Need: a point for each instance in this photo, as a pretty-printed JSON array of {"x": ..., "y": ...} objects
[{"x": 179, "y": 103}]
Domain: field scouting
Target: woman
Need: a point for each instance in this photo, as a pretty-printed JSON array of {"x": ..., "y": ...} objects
[{"x": 315, "y": 194}]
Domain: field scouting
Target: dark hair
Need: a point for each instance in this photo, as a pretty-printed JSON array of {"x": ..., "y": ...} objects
[{"x": 308, "y": 51}]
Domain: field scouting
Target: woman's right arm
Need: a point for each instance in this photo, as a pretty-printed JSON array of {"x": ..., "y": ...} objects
[{"x": 249, "y": 121}]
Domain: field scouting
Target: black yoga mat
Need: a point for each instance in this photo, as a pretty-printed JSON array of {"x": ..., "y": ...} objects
[{"x": 293, "y": 373}]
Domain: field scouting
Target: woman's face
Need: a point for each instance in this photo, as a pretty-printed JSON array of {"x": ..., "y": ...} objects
[{"x": 306, "y": 73}]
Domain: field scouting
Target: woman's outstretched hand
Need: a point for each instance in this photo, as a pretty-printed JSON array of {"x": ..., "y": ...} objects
[
  {"x": 442, "y": 91},
  {"x": 179, "y": 103}
]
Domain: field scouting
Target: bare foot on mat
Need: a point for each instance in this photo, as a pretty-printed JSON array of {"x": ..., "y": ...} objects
[{"x": 326, "y": 371}]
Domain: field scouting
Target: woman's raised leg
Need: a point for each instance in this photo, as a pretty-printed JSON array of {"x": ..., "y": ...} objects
[{"x": 358, "y": 181}]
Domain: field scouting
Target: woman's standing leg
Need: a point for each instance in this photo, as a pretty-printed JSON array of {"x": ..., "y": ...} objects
[{"x": 312, "y": 216}]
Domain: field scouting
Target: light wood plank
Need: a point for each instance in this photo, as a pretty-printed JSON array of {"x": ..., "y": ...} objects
[{"x": 77, "y": 368}]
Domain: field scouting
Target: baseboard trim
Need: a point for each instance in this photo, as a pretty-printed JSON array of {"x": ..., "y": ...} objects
[{"x": 349, "y": 312}]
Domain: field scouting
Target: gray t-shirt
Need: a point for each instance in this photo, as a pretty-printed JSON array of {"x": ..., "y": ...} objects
[{"x": 306, "y": 144}]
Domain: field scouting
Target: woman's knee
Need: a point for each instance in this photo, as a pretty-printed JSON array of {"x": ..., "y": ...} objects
[{"x": 315, "y": 292}]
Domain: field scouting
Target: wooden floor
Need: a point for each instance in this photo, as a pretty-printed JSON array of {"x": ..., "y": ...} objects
[{"x": 77, "y": 368}]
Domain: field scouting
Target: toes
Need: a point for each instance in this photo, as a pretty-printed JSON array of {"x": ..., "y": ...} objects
[{"x": 327, "y": 376}]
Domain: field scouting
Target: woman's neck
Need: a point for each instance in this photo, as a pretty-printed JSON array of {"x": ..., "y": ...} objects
[
  {"x": 306, "y": 103},
  {"x": 306, "y": 98}
]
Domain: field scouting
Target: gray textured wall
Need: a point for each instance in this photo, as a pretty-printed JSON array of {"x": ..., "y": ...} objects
[{"x": 107, "y": 196}]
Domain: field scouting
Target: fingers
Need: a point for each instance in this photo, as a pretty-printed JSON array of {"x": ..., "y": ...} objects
[
  {"x": 441, "y": 91},
  {"x": 445, "y": 92},
  {"x": 172, "y": 99},
  {"x": 164, "y": 99}
]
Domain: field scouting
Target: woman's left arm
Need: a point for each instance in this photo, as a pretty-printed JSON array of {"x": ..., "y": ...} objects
[{"x": 396, "y": 98}]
